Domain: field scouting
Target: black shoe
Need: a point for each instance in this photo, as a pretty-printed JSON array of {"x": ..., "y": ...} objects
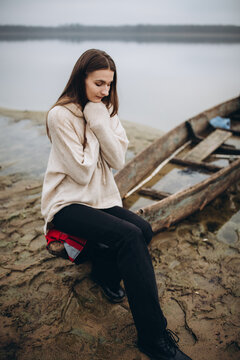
[
  {"x": 164, "y": 349},
  {"x": 114, "y": 294}
]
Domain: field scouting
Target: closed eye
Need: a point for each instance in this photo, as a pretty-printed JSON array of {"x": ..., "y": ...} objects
[{"x": 100, "y": 84}]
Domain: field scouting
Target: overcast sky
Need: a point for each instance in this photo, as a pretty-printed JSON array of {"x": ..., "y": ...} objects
[{"x": 119, "y": 12}]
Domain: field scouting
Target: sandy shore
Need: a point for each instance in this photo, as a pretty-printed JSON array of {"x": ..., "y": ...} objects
[{"x": 50, "y": 309}]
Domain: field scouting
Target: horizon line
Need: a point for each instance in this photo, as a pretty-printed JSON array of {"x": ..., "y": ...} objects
[{"x": 120, "y": 25}]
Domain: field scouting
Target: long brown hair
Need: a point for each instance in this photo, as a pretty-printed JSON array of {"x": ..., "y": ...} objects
[{"x": 75, "y": 90}]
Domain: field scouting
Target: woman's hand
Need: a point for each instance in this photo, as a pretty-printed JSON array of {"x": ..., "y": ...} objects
[
  {"x": 109, "y": 132},
  {"x": 96, "y": 113}
]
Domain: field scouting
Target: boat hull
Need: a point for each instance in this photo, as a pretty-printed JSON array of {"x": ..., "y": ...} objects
[
  {"x": 178, "y": 206},
  {"x": 143, "y": 164}
]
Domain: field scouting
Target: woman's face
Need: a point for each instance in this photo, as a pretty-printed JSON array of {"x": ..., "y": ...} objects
[{"x": 98, "y": 84}]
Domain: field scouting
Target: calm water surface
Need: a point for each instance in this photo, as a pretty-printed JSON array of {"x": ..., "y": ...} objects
[{"x": 160, "y": 84}]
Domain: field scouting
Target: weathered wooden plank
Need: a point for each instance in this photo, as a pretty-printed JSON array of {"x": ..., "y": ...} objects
[
  {"x": 155, "y": 194},
  {"x": 226, "y": 156},
  {"x": 197, "y": 138},
  {"x": 196, "y": 164},
  {"x": 178, "y": 206},
  {"x": 157, "y": 169},
  {"x": 149, "y": 159},
  {"x": 208, "y": 145}
]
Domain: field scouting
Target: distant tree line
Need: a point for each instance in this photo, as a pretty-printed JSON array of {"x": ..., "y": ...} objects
[{"x": 139, "y": 33}]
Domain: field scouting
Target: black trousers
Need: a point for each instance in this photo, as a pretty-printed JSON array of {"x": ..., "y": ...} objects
[{"x": 117, "y": 242}]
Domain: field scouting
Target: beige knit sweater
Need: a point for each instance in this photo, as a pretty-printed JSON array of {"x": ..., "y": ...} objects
[{"x": 77, "y": 174}]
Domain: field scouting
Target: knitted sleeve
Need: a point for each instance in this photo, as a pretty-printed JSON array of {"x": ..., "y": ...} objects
[
  {"x": 69, "y": 155},
  {"x": 110, "y": 133}
]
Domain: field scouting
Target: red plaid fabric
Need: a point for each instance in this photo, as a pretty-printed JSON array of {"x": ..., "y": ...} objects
[{"x": 73, "y": 244}]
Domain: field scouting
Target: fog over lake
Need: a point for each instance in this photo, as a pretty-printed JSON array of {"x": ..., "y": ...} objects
[{"x": 160, "y": 84}]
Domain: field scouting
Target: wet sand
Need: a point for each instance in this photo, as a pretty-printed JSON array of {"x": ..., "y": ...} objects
[{"x": 50, "y": 309}]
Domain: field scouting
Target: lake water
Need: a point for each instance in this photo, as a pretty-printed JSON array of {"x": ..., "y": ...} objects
[
  {"x": 160, "y": 84},
  {"x": 23, "y": 148}
]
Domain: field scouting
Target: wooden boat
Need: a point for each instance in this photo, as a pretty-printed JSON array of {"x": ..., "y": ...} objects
[{"x": 184, "y": 169}]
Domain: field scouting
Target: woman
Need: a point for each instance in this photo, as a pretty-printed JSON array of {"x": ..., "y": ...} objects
[{"x": 80, "y": 197}]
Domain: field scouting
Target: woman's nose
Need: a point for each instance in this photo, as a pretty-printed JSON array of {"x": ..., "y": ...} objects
[{"x": 105, "y": 91}]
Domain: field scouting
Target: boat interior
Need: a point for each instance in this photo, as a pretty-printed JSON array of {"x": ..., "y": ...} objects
[{"x": 203, "y": 153}]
